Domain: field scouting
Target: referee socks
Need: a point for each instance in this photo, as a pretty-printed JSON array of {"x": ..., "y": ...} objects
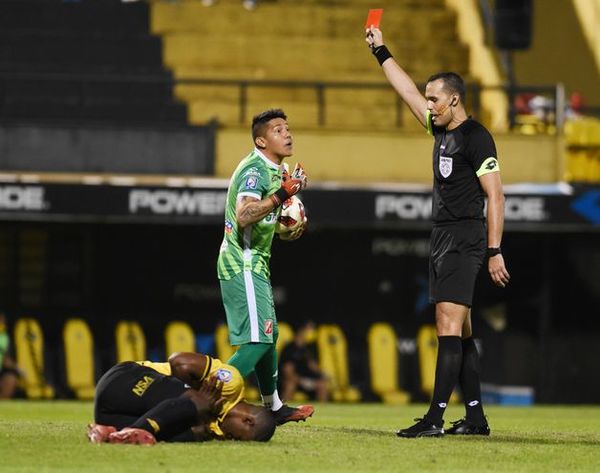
[
  {"x": 447, "y": 370},
  {"x": 470, "y": 383}
]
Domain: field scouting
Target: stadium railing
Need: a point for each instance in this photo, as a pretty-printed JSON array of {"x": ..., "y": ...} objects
[{"x": 84, "y": 92}]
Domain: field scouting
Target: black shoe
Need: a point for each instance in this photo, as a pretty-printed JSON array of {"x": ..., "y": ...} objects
[
  {"x": 464, "y": 427},
  {"x": 423, "y": 428},
  {"x": 292, "y": 414}
]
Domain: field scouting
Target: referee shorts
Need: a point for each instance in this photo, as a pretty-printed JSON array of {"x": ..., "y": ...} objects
[{"x": 457, "y": 253}]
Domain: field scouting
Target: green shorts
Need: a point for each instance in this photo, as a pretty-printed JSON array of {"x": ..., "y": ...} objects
[{"x": 248, "y": 302}]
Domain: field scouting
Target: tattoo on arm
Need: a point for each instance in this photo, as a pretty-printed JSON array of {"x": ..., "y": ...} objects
[{"x": 251, "y": 210}]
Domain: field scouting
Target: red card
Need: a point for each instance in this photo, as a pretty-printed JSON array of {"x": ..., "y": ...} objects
[{"x": 374, "y": 18}]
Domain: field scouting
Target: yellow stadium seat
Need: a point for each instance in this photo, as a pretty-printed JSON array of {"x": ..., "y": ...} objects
[
  {"x": 333, "y": 361},
  {"x": 427, "y": 348},
  {"x": 79, "y": 358},
  {"x": 179, "y": 337},
  {"x": 131, "y": 342},
  {"x": 383, "y": 363},
  {"x": 286, "y": 335},
  {"x": 29, "y": 347},
  {"x": 222, "y": 345}
]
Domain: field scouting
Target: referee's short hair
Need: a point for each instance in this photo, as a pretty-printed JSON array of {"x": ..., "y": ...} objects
[
  {"x": 453, "y": 83},
  {"x": 259, "y": 121}
]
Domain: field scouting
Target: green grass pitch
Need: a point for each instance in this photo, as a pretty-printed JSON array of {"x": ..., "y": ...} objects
[{"x": 50, "y": 437}]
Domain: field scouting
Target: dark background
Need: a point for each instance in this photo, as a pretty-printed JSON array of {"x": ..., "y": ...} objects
[{"x": 543, "y": 330}]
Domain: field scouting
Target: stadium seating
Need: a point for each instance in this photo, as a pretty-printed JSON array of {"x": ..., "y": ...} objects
[
  {"x": 79, "y": 358},
  {"x": 29, "y": 347},
  {"x": 179, "y": 337},
  {"x": 333, "y": 361},
  {"x": 383, "y": 364},
  {"x": 286, "y": 335},
  {"x": 427, "y": 349},
  {"x": 83, "y": 61},
  {"x": 319, "y": 41},
  {"x": 130, "y": 340},
  {"x": 583, "y": 150},
  {"x": 223, "y": 347}
]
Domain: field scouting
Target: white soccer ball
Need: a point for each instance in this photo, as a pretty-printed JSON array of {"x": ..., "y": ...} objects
[{"x": 291, "y": 220}]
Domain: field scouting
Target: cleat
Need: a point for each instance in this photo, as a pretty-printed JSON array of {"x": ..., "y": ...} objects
[
  {"x": 464, "y": 427},
  {"x": 423, "y": 428},
  {"x": 132, "y": 436},
  {"x": 98, "y": 433},
  {"x": 293, "y": 414}
]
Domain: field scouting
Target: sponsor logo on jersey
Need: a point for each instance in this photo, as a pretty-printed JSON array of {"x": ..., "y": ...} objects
[
  {"x": 445, "y": 166},
  {"x": 228, "y": 227},
  {"x": 442, "y": 405},
  {"x": 224, "y": 375},
  {"x": 251, "y": 172},
  {"x": 142, "y": 385},
  {"x": 251, "y": 182},
  {"x": 473, "y": 403},
  {"x": 268, "y": 327}
]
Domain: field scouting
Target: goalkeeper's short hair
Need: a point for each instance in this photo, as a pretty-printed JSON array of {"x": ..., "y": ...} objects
[{"x": 259, "y": 121}]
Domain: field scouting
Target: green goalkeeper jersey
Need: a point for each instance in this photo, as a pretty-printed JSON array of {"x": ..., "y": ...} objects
[{"x": 249, "y": 248}]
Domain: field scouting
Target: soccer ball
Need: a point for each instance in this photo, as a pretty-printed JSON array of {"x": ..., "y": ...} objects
[{"x": 292, "y": 219}]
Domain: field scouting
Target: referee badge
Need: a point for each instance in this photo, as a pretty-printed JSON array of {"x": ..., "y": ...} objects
[{"x": 445, "y": 166}]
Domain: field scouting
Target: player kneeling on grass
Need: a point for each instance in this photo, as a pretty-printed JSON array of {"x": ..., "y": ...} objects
[{"x": 192, "y": 397}]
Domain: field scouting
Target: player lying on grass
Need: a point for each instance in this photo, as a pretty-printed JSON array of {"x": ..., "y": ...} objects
[{"x": 192, "y": 397}]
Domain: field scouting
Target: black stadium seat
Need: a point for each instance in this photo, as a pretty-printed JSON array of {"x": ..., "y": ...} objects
[{"x": 86, "y": 60}]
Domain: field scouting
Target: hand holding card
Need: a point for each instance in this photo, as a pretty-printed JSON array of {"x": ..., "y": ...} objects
[
  {"x": 374, "y": 18},
  {"x": 373, "y": 21}
]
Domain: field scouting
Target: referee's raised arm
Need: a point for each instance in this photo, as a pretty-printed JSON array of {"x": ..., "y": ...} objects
[{"x": 396, "y": 76}]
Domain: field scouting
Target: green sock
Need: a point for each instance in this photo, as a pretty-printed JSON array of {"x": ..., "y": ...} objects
[
  {"x": 247, "y": 356},
  {"x": 266, "y": 371}
]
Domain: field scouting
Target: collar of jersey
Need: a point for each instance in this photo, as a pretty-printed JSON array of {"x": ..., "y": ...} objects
[{"x": 265, "y": 159}]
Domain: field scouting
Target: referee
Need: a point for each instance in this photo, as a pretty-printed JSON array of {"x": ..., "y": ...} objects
[{"x": 465, "y": 170}]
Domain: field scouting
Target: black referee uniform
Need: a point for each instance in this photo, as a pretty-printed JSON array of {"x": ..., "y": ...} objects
[{"x": 458, "y": 238}]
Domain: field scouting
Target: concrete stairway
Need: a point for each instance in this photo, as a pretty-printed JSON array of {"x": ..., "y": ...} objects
[{"x": 306, "y": 42}]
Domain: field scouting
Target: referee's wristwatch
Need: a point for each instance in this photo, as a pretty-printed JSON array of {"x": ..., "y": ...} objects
[{"x": 493, "y": 252}]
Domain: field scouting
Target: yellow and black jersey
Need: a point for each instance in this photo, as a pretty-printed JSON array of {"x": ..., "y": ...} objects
[{"x": 233, "y": 384}]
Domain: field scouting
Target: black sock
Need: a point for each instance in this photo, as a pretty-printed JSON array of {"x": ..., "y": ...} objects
[
  {"x": 185, "y": 436},
  {"x": 469, "y": 382},
  {"x": 447, "y": 369},
  {"x": 168, "y": 418}
]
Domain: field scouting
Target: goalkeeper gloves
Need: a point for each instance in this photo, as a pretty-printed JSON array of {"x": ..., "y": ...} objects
[{"x": 291, "y": 184}]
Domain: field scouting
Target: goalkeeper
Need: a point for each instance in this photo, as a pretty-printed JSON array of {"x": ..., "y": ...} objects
[{"x": 258, "y": 186}]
